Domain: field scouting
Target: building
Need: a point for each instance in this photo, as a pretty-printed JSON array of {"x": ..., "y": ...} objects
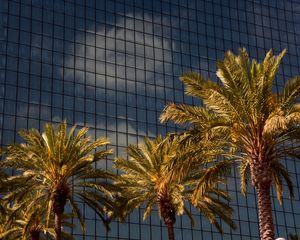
[{"x": 112, "y": 65}]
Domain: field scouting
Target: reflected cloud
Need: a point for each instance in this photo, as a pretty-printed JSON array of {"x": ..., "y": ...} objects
[{"x": 123, "y": 53}]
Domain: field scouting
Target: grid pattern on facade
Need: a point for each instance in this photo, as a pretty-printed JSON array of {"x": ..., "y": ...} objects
[{"x": 113, "y": 65}]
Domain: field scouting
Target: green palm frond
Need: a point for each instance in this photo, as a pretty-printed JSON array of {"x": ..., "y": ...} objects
[
  {"x": 184, "y": 113},
  {"x": 154, "y": 170},
  {"x": 21, "y": 218},
  {"x": 271, "y": 65},
  {"x": 58, "y": 157},
  {"x": 194, "y": 83},
  {"x": 260, "y": 126},
  {"x": 244, "y": 175},
  {"x": 149, "y": 207},
  {"x": 214, "y": 208},
  {"x": 142, "y": 177},
  {"x": 77, "y": 213},
  {"x": 279, "y": 172},
  {"x": 210, "y": 178},
  {"x": 290, "y": 92},
  {"x": 243, "y": 110},
  {"x": 190, "y": 216}
]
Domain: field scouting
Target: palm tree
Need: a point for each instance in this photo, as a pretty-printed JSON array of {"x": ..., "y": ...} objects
[
  {"x": 144, "y": 182},
  {"x": 259, "y": 124},
  {"x": 25, "y": 221},
  {"x": 59, "y": 166}
]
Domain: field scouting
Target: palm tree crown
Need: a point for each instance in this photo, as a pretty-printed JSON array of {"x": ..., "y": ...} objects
[
  {"x": 145, "y": 180},
  {"x": 58, "y": 167},
  {"x": 259, "y": 124}
]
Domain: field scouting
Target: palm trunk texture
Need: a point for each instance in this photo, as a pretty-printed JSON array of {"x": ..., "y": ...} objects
[
  {"x": 57, "y": 222},
  {"x": 59, "y": 201},
  {"x": 171, "y": 231},
  {"x": 261, "y": 176},
  {"x": 266, "y": 226},
  {"x": 167, "y": 211}
]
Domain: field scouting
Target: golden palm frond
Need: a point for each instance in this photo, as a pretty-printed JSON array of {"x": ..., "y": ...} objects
[
  {"x": 156, "y": 169},
  {"x": 58, "y": 157},
  {"x": 260, "y": 126}
]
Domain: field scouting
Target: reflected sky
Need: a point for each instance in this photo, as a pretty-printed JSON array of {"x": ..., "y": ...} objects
[
  {"x": 135, "y": 44},
  {"x": 130, "y": 54},
  {"x": 115, "y": 53},
  {"x": 113, "y": 66}
]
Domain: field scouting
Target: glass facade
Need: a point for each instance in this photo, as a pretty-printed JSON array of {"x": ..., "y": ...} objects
[{"x": 113, "y": 65}]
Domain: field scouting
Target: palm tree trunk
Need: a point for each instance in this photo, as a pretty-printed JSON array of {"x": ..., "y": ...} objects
[
  {"x": 59, "y": 201},
  {"x": 266, "y": 226},
  {"x": 167, "y": 211},
  {"x": 57, "y": 226},
  {"x": 171, "y": 231},
  {"x": 34, "y": 235}
]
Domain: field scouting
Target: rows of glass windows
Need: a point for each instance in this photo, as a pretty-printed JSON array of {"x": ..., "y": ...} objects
[
  {"x": 113, "y": 65},
  {"x": 123, "y": 53},
  {"x": 282, "y": 21},
  {"x": 225, "y": 8}
]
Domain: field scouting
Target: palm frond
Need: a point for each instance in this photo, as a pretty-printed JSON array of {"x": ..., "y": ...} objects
[
  {"x": 55, "y": 158},
  {"x": 279, "y": 171},
  {"x": 211, "y": 177},
  {"x": 260, "y": 126},
  {"x": 244, "y": 174},
  {"x": 290, "y": 92},
  {"x": 77, "y": 213}
]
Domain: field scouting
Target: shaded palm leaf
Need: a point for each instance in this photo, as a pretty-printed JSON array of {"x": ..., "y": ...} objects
[
  {"x": 261, "y": 126},
  {"x": 59, "y": 165},
  {"x": 154, "y": 173}
]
